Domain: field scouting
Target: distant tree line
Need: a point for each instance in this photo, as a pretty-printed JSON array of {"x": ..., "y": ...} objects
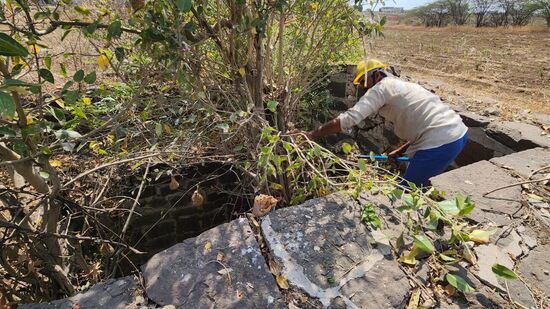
[{"x": 485, "y": 13}]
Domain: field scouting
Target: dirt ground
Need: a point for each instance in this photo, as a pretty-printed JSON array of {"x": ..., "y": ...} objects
[{"x": 502, "y": 73}]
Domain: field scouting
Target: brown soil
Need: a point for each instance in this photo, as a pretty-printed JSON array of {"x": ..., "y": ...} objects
[{"x": 506, "y": 70}]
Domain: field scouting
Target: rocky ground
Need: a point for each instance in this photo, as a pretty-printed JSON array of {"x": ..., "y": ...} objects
[{"x": 320, "y": 255}]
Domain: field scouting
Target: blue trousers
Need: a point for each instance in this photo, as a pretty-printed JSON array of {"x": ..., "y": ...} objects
[{"x": 431, "y": 162}]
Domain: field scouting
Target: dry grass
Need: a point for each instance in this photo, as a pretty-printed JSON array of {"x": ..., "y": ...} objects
[{"x": 473, "y": 29}]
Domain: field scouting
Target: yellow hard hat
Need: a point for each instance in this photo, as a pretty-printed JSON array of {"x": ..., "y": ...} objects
[{"x": 366, "y": 66}]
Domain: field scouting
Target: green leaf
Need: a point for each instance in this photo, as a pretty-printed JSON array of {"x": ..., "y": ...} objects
[
  {"x": 44, "y": 175},
  {"x": 67, "y": 134},
  {"x": 272, "y": 106},
  {"x": 82, "y": 10},
  {"x": 46, "y": 75},
  {"x": 362, "y": 165},
  {"x": 7, "y": 131},
  {"x": 90, "y": 78},
  {"x": 77, "y": 111},
  {"x": 465, "y": 205},
  {"x": 184, "y": 5},
  {"x": 48, "y": 62},
  {"x": 63, "y": 69},
  {"x": 224, "y": 127},
  {"x": 449, "y": 207},
  {"x": 20, "y": 148},
  {"x": 10, "y": 47},
  {"x": 504, "y": 272},
  {"x": 120, "y": 53},
  {"x": 78, "y": 76},
  {"x": 480, "y": 236},
  {"x": 459, "y": 283},
  {"x": 346, "y": 148},
  {"x": 115, "y": 29},
  {"x": 424, "y": 244},
  {"x": 91, "y": 28},
  {"x": 7, "y": 105},
  {"x": 71, "y": 96},
  {"x": 158, "y": 129}
]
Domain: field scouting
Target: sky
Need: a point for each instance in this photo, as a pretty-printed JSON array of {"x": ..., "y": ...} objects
[{"x": 407, "y": 4}]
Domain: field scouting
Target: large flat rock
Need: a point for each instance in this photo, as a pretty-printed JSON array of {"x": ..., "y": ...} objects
[
  {"x": 477, "y": 179},
  {"x": 113, "y": 293},
  {"x": 518, "y": 136},
  {"x": 323, "y": 249},
  {"x": 221, "y": 268},
  {"x": 526, "y": 162}
]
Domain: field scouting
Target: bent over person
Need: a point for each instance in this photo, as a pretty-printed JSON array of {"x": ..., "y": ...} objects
[{"x": 435, "y": 133}]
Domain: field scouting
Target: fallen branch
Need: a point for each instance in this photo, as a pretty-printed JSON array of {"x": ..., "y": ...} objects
[
  {"x": 107, "y": 165},
  {"x": 127, "y": 223},
  {"x": 539, "y": 170},
  {"x": 10, "y": 225},
  {"x": 516, "y": 184}
]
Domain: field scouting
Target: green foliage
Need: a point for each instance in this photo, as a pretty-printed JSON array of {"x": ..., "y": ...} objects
[
  {"x": 10, "y": 47},
  {"x": 459, "y": 283},
  {"x": 184, "y": 5},
  {"x": 503, "y": 271},
  {"x": 424, "y": 244},
  {"x": 46, "y": 75},
  {"x": 369, "y": 216},
  {"x": 7, "y": 106}
]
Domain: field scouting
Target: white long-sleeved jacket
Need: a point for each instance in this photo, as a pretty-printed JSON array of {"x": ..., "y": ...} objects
[{"x": 417, "y": 115}]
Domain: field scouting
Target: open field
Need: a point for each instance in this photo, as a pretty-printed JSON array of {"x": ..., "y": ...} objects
[{"x": 507, "y": 71}]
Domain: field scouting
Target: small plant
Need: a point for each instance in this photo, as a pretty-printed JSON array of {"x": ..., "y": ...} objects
[{"x": 369, "y": 216}]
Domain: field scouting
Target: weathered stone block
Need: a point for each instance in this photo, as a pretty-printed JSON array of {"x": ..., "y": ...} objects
[
  {"x": 112, "y": 293},
  {"x": 193, "y": 274},
  {"x": 480, "y": 147},
  {"x": 325, "y": 250},
  {"x": 526, "y": 162},
  {"x": 474, "y": 120},
  {"x": 518, "y": 136},
  {"x": 477, "y": 179}
]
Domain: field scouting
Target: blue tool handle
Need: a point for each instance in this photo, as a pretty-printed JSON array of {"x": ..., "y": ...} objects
[{"x": 385, "y": 158}]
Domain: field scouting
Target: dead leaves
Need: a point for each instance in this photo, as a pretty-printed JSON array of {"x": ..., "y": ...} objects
[
  {"x": 197, "y": 199},
  {"x": 263, "y": 204},
  {"x": 174, "y": 184},
  {"x": 282, "y": 281}
]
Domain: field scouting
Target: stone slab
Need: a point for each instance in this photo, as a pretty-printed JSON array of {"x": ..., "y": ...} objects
[
  {"x": 526, "y": 162},
  {"x": 477, "y": 179},
  {"x": 518, "y": 136},
  {"x": 221, "y": 268},
  {"x": 474, "y": 120},
  {"x": 113, "y": 293},
  {"x": 487, "y": 256},
  {"x": 325, "y": 250},
  {"x": 535, "y": 268},
  {"x": 480, "y": 147}
]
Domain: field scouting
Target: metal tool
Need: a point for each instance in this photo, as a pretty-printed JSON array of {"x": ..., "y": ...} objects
[{"x": 383, "y": 158}]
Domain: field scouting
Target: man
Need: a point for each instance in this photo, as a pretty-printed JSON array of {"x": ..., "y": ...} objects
[{"x": 435, "y": 133}]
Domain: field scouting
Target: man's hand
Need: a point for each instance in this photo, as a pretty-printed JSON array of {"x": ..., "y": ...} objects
[{"x": 399, "y": 151}]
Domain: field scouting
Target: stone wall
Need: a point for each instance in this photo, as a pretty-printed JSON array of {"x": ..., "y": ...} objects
[{"x": 167, "y": 216}]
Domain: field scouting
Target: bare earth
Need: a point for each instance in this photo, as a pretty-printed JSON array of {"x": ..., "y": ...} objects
[{"x": 482, "y": 71}]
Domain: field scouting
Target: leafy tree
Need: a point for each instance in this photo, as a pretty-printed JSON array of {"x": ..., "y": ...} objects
[
  {"x": 235, "y": 66},
  {"x": 481, "y": 9},
  {"x": 459, "y": 11},
  {"x": 522, "y": 12},
  {"x": 544, "y": 6},
  {"x": 435, "y": 14}
]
